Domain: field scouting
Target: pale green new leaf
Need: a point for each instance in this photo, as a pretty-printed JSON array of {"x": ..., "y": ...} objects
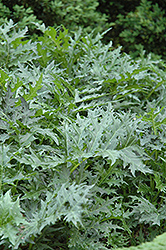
[{"x": 11, "y": 218}]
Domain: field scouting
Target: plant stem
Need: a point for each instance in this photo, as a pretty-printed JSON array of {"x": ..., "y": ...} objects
[{"x": 107, "y": 174}]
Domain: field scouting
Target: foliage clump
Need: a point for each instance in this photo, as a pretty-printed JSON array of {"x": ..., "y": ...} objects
[
  {"x": 159, "y": 243},
  {"x": 82, "y": 142},
  {"x": 71, "y": 14},
  {"x": 143, "y": 29}
]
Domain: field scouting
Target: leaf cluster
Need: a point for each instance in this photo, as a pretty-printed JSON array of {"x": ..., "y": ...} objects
[
  {"x": 143, "y": 29},
  {"x": 71, "y": 14},
  {"x": 157, "y": 243},
  {"x": 82, "y": 142}
]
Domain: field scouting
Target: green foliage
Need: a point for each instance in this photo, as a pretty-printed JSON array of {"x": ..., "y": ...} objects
[
  {"x": 112, "y": 9},
  {"x": 82, "y": 143},
  {"x": 157, "y": 244},
  {"x": 11, "y": 218},
  {"x": 71, "y": 14},
  {"x": 21, "y": 15},
  {"x": 143, "y": 29}
]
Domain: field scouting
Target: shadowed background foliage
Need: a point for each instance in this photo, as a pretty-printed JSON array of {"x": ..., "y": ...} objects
[{"x": 136, "y": 25}]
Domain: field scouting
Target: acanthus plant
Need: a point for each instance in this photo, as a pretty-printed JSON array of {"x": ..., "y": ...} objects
[{"x": 82, "y": 157}]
